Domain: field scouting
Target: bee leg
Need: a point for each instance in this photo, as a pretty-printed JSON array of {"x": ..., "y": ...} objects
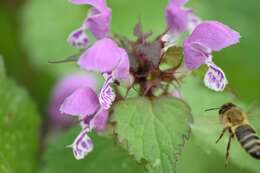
[
  {"x": 228, "y": 148},
  {"x": 222, "y": 133}
]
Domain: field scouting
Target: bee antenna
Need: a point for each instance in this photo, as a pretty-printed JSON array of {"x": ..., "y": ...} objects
[{"x": 211, "y": 109}]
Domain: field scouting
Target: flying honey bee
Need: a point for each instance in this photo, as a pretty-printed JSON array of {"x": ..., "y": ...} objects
[{"x": 237, "y": 125}]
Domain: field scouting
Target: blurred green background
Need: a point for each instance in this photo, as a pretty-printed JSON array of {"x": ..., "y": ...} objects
[{"x": 35, "y": 31}]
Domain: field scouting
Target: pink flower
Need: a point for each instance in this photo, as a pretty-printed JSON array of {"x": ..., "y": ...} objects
[
  {"x": 112, "y": 61},
  {"x": 84, "y": 104},
  {"x": 179, "y": 20},
  {"x": 65, "y": 87},
  {"x": 97, "y": 22},
  {"x": 208, "y": 37}
]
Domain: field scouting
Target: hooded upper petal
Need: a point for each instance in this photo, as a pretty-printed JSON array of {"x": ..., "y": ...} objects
[
  {"x": 82, "y": 102},
  {"x": 98, "y": 19},
  {"x": 179, "y": 20},
  {"x": 207, "y": 37},
  {"x": 65, "y": 87},
  {"x": 177, "y": 17},
  {"x": 214, "y": 35},
  {"x": 98, "y": 22},
  {"x": 103, "y": 56}
]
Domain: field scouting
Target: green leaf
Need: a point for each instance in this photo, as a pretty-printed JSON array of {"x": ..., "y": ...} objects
[
  {"x": 172, "y": 58},
  {"x": 106, "y": 157},
  {"x": 153, "y": 131},
  {"x": 207, "y": 127},
  {"x": 19, "y": 123}
]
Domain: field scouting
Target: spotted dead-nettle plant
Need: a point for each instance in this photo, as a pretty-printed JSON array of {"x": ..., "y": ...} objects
[{"x": 145, "y": 73}]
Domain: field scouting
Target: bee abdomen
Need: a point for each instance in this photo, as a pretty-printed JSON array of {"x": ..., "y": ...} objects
[{"x": 249, "y": 140}]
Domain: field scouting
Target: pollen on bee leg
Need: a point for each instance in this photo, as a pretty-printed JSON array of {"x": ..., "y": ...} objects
[{"x": 215, "y": 78}]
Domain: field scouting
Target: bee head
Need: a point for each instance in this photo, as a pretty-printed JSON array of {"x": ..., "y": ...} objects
[{"x": 225, "y": 107}]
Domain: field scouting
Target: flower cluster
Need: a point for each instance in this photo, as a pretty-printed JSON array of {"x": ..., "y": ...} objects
[
  {"x": 104, "y": 57},
  {"x": 205, "y": 37},
  {"x": 139, "y": 63}
]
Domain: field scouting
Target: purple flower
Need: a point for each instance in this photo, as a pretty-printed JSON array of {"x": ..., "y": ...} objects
[
  {"x": 82, "y": 145},
  {"x": 84, "y": 104},
  {"x": 97, "y": 21},
  {"x": 177, "y": 16},
  {"x": 99, "y": 121},
  {"x": 110, "y": 60},
  {"x": 78, "y": 38},
  {"x": 207, "y": 37},
  {"x": 179, "y": 19},
  {"x": 65, "y": 87}
]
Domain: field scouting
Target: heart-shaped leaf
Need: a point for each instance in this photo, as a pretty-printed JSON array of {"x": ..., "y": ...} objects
[{"x": 153, "y": 131}]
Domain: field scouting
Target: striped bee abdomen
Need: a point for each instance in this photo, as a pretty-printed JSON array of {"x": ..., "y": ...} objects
[{"x": 249, "y": 140}]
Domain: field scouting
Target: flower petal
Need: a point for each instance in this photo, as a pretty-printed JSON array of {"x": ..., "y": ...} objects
[
  {"x": 98, "y": 19},
  {"x": 103, "y": 56},
  {"x": 214, "y": 35},
  {"x": 195, "y": 54},
  {"x": 215, "y": 78},
  {"x": 78, "y": 38},
  {"x": 177, "y": 18},
  {"x": 82, "y": 145},
  {"x": 194, "y": 21},
  {"x": 107, "y": 95},
  {"x": 65, "y": 87},
  {"x": 82, "y": 102},
  {"x": 98, "y": 4},
  {"x": 121, "y": 72},
  {"x": 99, "y": 22},
  {"x": 99, "y": 121},
  {"x": 207, "y": 37}
]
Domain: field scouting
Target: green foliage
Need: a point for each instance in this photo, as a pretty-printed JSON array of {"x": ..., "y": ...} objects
[
  {"x": 19, "y": 122},
  {"x": 106, "y": 157},
  {"x": 172, "y": 58},
  {"x": 153, "y": 131},
  {"x": 46, "y": 26},
  {"x": 207, "y": 128}
]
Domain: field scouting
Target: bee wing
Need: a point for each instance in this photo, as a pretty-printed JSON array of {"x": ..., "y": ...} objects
[
  {"x": 253, "y": 115},
  {"x": 254, "y": 108}
]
